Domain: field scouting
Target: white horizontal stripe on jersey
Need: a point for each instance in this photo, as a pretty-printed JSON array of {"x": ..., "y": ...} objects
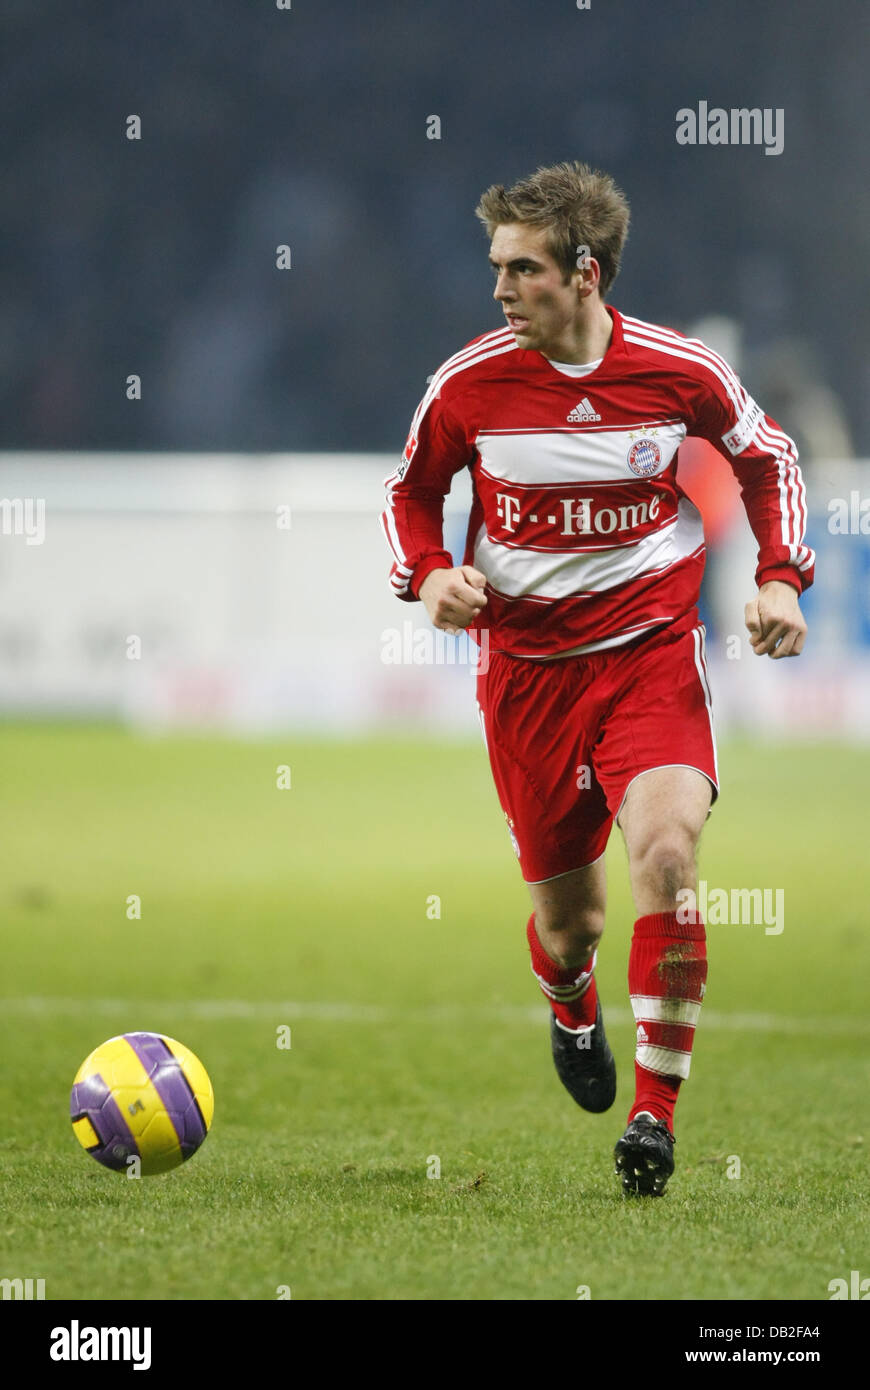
[
  {"x": 667, "y": 1061},
  {"x": 652, "y": 1008},
  {"x": 515, "y": 572},
  {"x": 538, "y": 458},
  {"x": 587, "y": 429}
]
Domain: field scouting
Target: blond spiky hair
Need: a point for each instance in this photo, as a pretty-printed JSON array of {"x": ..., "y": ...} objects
[{"x": 579, "y": 206}]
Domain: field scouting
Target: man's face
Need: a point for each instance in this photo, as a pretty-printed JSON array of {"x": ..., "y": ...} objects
[{"x": 540, "y": 308}]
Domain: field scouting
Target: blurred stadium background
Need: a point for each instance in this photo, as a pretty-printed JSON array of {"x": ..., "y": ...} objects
[
  {"x": 308, "y": 128},
  {"x": 227, "y": 520}
]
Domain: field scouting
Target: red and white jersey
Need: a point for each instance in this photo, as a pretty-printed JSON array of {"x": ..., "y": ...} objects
[{"x": 577, "y": 521}]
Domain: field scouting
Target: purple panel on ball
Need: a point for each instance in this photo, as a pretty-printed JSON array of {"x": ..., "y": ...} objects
[
  {"x": 92, "y": 1097},
  {"x": 173, "y": 1088}
]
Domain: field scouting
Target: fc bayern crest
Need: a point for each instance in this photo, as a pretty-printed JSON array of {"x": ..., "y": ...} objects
[{"x": 644, "y": 457}]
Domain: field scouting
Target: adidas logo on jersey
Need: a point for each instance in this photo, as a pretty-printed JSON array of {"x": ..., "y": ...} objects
[
  {"x": 642, "y": 1035},
  {"x": 583, "y": 413}
]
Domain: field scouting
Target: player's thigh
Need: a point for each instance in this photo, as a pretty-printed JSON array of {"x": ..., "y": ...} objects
[
  {"x": 665, "y": 807},
  {"x": 571, "y": 900},
  {"x": 656, "y": 759},
  {"x": 540, "y": 725}
]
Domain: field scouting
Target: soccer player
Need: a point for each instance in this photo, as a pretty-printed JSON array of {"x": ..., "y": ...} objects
[{"x": 582, "y": 571}]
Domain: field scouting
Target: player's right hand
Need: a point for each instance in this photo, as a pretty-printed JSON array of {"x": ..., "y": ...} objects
[{"x": 453, "y": 598}]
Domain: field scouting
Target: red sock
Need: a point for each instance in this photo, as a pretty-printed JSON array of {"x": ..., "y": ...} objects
[
  {"x": 667, "y": 971},
  {"x": 571, "y": 992}
]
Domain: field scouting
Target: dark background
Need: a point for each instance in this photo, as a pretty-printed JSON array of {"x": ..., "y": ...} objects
[{"x": 308, "y": 127}]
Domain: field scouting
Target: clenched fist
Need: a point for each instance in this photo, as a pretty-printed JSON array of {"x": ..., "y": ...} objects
[
  {"x": 453, "y": 598},
  {"x": 775, "y": 622}
]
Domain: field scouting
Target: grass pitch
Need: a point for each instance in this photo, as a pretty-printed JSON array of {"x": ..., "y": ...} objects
[{"x": 418, "y": 1042}]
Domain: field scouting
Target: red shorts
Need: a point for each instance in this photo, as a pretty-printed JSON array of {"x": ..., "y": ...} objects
[{"x": 566, "y": 738}]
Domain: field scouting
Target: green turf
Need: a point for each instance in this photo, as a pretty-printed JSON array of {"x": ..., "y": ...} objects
[{"x": 263, "y": 907}]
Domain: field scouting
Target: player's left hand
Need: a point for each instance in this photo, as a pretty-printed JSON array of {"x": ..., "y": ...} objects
[{"x": 775, "y": 622}]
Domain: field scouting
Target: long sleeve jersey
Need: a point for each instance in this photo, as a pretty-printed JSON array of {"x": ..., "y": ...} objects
[{"x": 577, "y": 521}]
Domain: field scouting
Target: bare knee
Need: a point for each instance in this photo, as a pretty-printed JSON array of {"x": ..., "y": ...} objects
[
  {"x": 570, "y": 937},
  {"x": 665, "y": 863}
]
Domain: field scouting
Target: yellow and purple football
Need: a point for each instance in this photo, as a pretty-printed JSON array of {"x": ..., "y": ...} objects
[{"x": 141, "y": 1096}]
